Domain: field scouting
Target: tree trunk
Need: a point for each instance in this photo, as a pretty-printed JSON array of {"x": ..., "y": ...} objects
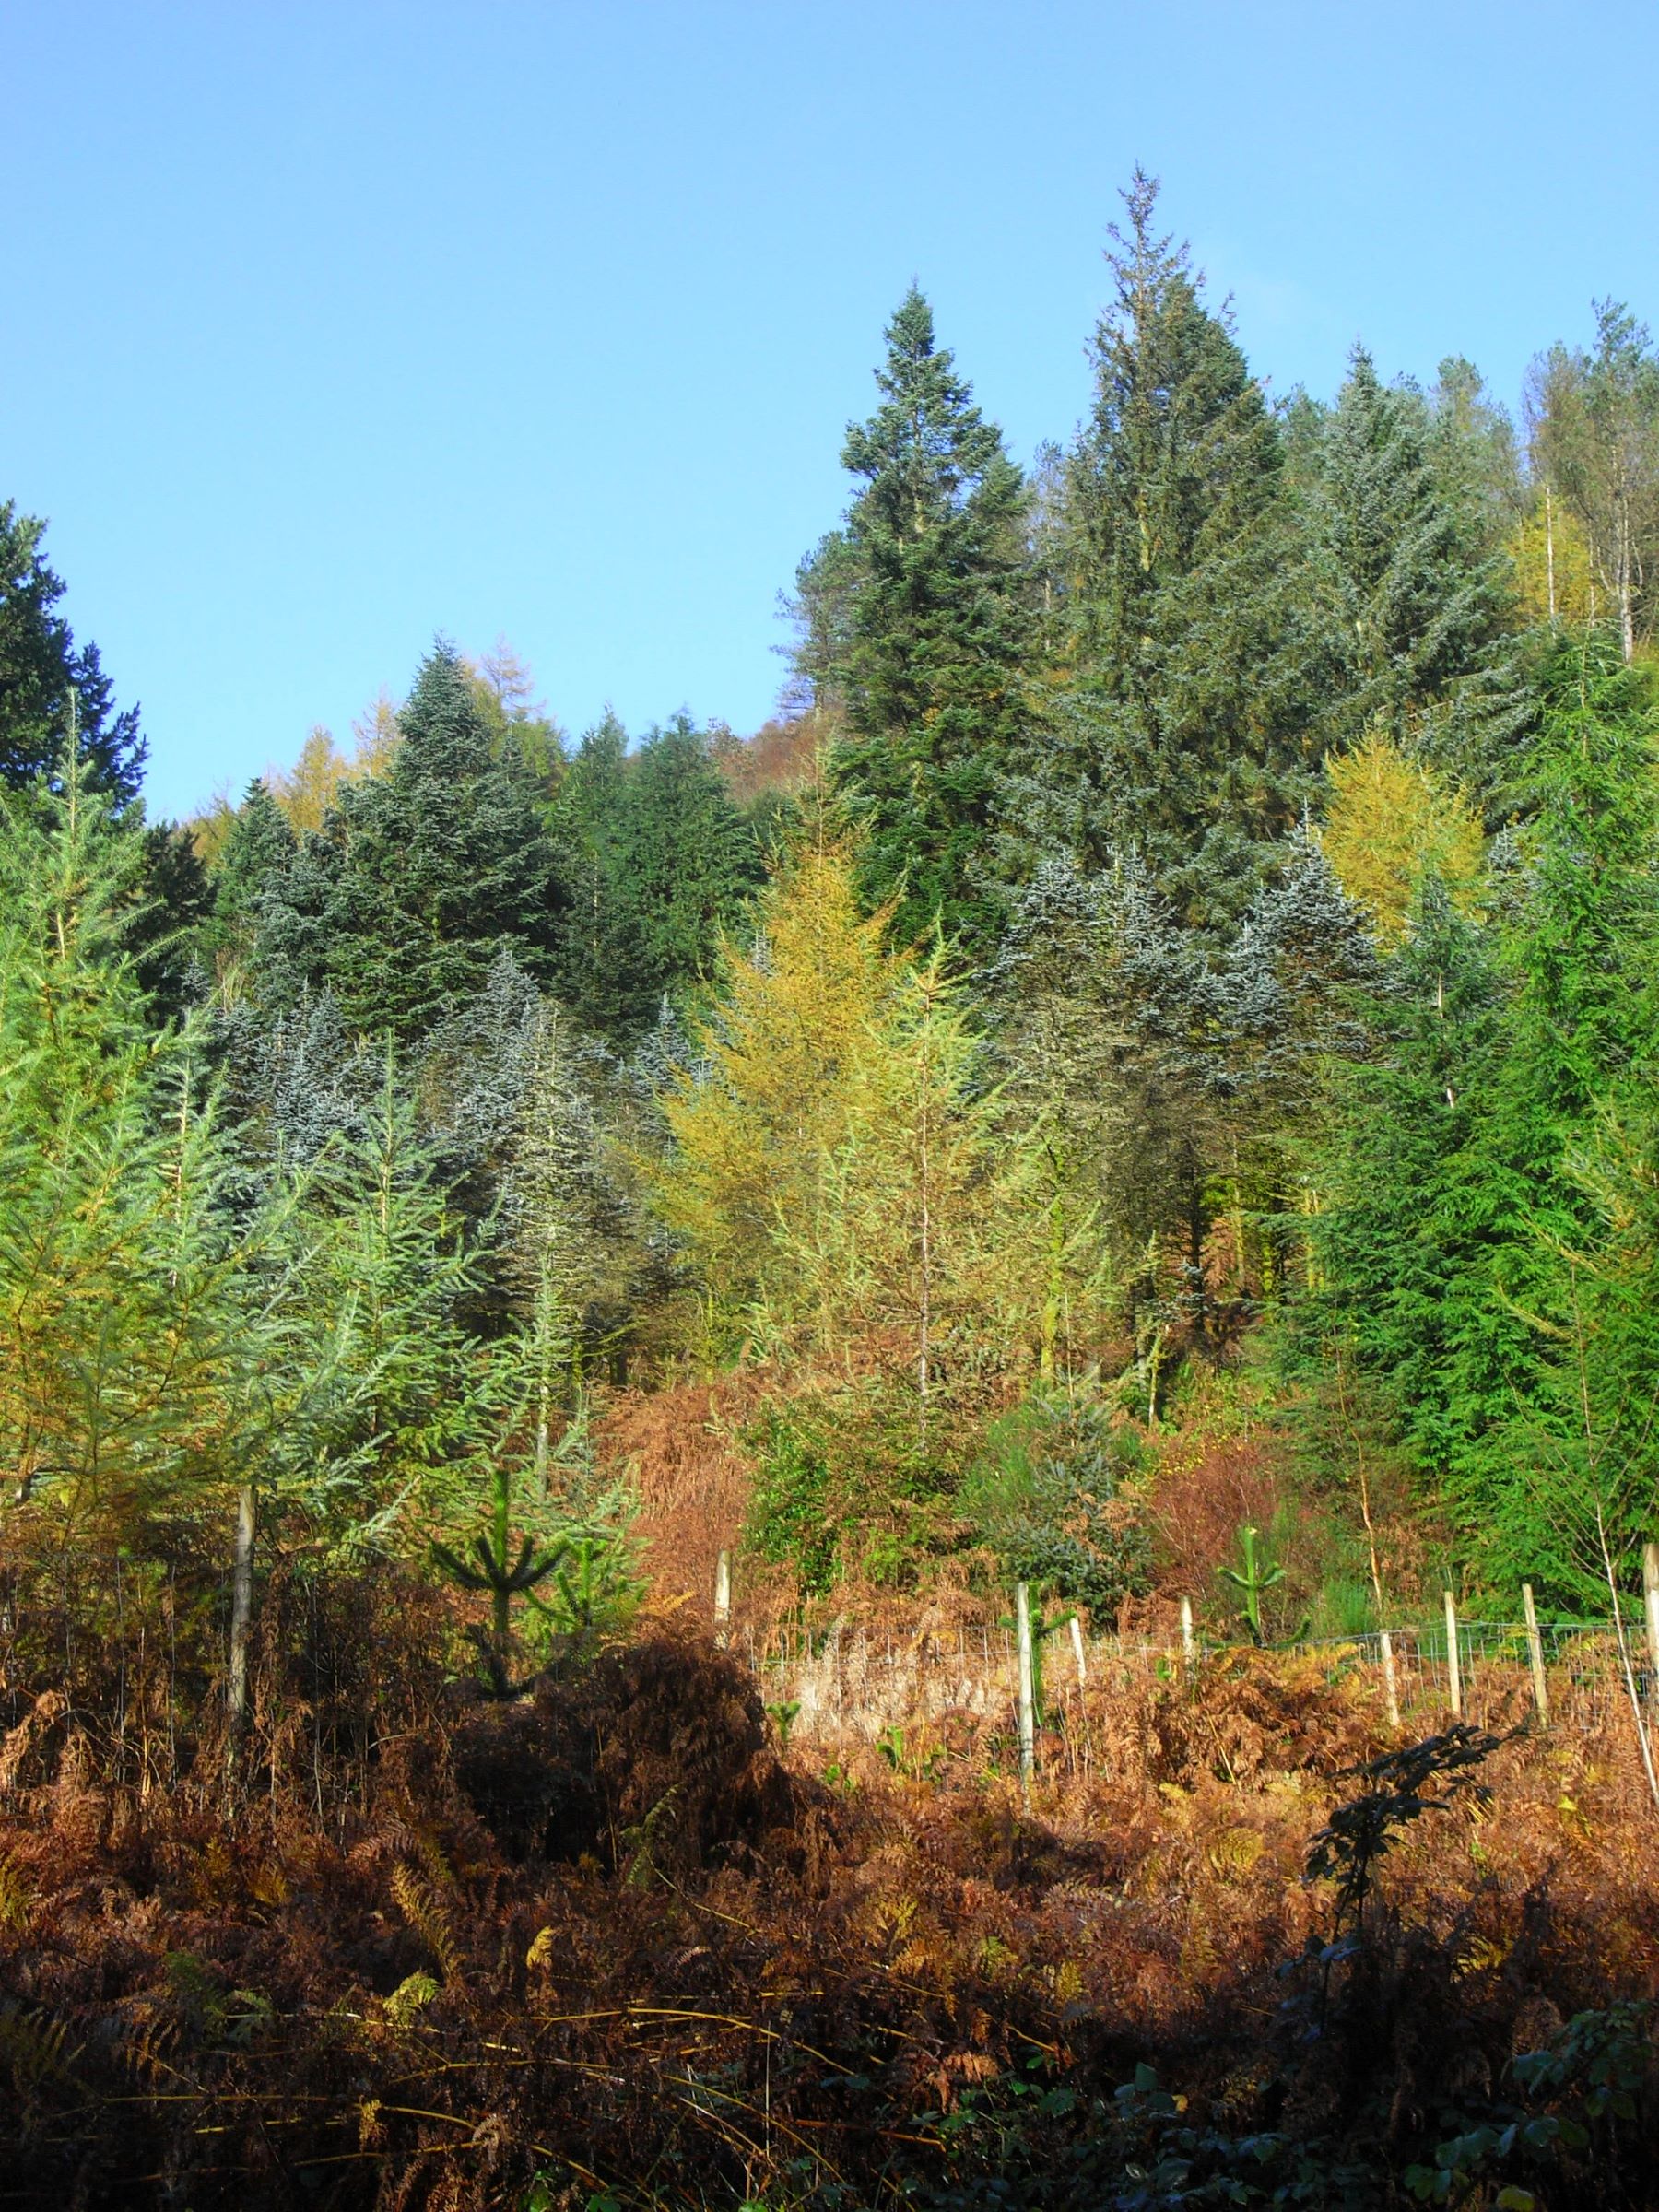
[{"x": 241, "y": 1617}]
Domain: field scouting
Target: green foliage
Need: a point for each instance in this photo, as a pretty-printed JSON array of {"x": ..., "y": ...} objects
[
  {"x": 918, "y": 618},
  {"x": 54, "y": 693},
  {"x": 1182, "y": 730},
  {"x": 1252, "y": 1579},
  {"x": 420, "y": 877},
  {"x": 1046, "y": 1495}
]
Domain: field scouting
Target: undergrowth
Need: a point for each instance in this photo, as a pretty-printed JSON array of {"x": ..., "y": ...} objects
[{"x": 610, "y": 1945}]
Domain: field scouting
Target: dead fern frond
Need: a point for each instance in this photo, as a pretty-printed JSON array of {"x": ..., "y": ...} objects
[
  {"x": 16, "y": 1900},
  {"x": 34, "y": 2049},
  {"x": 425, "y": 1911}
]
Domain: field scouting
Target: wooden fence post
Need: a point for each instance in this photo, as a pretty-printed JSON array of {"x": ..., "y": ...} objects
[
  {"x": 1391, "y": 1682},
  {"x": 1454, "y": 1665},
  {"x": 1078, "y": 1651},
  {"x": 1027, "y": 1688},
  {"x": 1189, "y": 1646},
  {"x": 1650, "y": 1593},
  {"x": 723, "y": 1596},
  {"x": 1535, "y": 1652}
]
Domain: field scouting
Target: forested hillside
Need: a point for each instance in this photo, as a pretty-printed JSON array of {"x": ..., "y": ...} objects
[{"x": 1156, "y": 1042}]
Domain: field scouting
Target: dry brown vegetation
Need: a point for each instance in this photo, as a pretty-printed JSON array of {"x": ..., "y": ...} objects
[{"x": 426, "y": 1949}]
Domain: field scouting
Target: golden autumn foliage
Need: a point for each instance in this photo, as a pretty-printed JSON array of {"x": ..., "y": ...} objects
[
  {"x": 840, "y": 1164},
  {"x": 783, "y": 1066},
  {"x": 1554, "y": 576},
  {"x": 1390, "y": 822}
]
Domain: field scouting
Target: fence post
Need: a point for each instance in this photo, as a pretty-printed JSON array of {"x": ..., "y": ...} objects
[
  {"x": 1027, "y": 1688},
  {"x": 1188, "y": 1642},
  {"x": 1535, "y": 1652},
  {"x": 1650, "y": 1592},
  {"x": 1391, "y": 1684},
  {"x": 723, "y": 1596},
  {"x": 1077, "y": 1653},
  {"x": 1454, "y": 1665}
]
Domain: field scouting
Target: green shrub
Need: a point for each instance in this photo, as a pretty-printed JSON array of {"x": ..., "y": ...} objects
[{"x": 1047, "y": 1497}]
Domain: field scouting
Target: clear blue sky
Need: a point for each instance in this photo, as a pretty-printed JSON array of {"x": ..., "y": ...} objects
[{"x": 329, "y": 326}]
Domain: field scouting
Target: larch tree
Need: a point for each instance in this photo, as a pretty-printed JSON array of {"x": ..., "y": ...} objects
[{"x": 758, "y": 1119}]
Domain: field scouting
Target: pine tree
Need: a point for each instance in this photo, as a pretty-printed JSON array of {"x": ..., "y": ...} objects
[{"x": 930, "y": 624}]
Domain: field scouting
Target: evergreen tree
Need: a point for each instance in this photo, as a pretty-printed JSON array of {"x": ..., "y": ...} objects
[
  {"x": 1409, "y": 585},
  {"x": 420, "y": 877},
  {"x": 51, "y": 688},
  {"x": 260, "y": 844},
  {"x": 1455, "y": 1237},
  {"x": 598, "y": 975},
  {"x": 1183, "y": 730},
  {"x": 692, "y": 862},
  {"x": 122, "y": 1332},
  {"x": 930, "y": 645}
]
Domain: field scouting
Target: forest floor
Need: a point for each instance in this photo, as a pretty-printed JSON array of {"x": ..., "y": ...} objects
[{"x": 610, "y": 1945}]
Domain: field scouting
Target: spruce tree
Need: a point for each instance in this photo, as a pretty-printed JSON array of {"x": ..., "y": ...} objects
[
  {"x": 1458, "y": 1231},
  {"x": 692, "y": 861},
  {"x": 931, "y": 616},
  {"x": 598, "y": 973}
]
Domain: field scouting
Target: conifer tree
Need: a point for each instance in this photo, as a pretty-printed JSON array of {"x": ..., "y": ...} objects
[
  {"x": 54, "y": 693},
  {"x": 756, "y": 1122},
  {"x": 1182, "y": 731},
  {"x": 1391, "y": 823},
  {"x": 690, "y": 860},
  {"x": 259, "y": 845},
  {"x": 1409, "y": 585},
  {"x": 929, "y": 623},
  {"x": 1457, "y": 1236},
  {"x": 420, "y": 876},
  {"x": 597, "y": 975},
  {"x": 120, "y": 1321}
]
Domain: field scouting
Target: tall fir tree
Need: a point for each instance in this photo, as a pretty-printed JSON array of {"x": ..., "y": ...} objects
[
  {"x": 51, "y": 688},
  {"x": 930, "y": 625},
  {"x": 1178, "y": 723},
  {"x": 420, "y": 877},
  {"x": 1410, "y": 589}
]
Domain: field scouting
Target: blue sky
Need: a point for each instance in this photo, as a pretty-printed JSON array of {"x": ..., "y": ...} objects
[{"x": 328, "y": 327}]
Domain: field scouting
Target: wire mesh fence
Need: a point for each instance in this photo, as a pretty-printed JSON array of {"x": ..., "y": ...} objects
[{"x": 845, "y": 1679}]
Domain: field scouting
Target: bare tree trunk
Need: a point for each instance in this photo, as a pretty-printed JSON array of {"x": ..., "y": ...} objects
[{"x": 1549, "y": 550}]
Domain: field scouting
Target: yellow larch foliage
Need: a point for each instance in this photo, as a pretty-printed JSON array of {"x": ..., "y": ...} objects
[
  {"x": 1390, "y": 822},
  {"x": 307, "y": 791},
  {"x": 1554, "y": 577},
  {"x": 783, "y": 1067}
]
